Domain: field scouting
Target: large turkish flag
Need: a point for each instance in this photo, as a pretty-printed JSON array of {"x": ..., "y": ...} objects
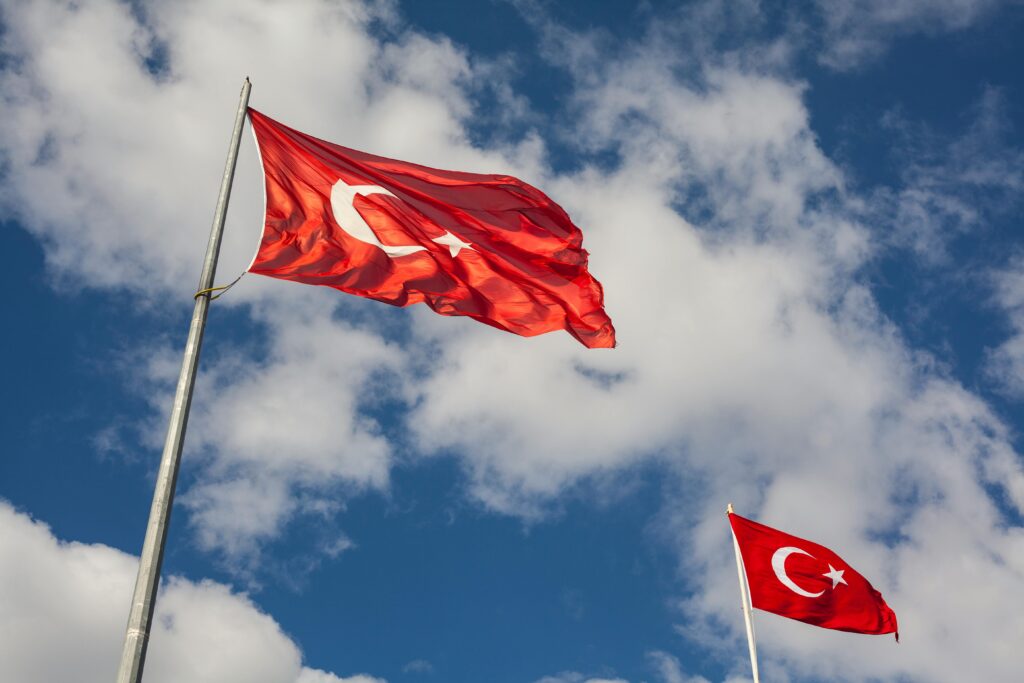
[
  {"x": 802, "y": 580},
  {"x": 490, "y": 247}
]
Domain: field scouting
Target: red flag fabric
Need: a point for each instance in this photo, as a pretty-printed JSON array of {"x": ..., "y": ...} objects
[
  {"x": 805, "y": 581},
  {"x": 490, "y": 247}
]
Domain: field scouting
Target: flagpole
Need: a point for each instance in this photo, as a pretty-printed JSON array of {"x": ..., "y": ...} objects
[
  {"x": 748, "y": 617},
  {"x": 140, "y": 617}
]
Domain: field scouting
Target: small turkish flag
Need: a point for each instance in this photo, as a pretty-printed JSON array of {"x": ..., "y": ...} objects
[
  {"x": 489, "y": 247},
  {"x": 808, "y": 582}
]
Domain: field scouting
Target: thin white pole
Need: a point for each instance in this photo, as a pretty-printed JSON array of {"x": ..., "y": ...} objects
[
  {"x": 748, "y": 617},
  {"x": 136, "y": 638}
]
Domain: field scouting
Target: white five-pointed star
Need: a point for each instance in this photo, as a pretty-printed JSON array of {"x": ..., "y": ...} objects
[
  {"x": 454, "y": 244},
  {"x": 836, "y": 575}
]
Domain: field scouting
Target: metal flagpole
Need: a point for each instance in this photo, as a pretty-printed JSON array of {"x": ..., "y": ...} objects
[
  {"x": 144, "y": 599},
  {"x": 748, "y": 617}
]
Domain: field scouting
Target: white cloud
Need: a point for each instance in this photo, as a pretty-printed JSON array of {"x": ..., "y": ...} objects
[
  {"x": 1005, "y": 362},
  {"x": 950, "y": 187},
  {"x": 841, "y": 35},
  {"x": 290, "y": 424},
  {"x": 670, "y": 670},
  {"x": 576, "y": 677},
  {"x": 72, "y": 598},
  {"x": 317, "y": 676},
  {"x": 754, "y": 365},
  {"x": 418, "y": 666},
  {"x": 858, "y": 31}
]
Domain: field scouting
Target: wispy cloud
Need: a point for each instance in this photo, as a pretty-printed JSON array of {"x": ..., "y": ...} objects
[
  {"x": 951, "y": 187},
  {"x": 418, "y": 666},
  {"x": 1005, "y": 362},
  {"x": 856, "y": 32}
]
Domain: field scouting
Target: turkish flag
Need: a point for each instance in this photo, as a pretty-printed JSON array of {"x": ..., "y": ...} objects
[
  {"x": 490, "y": 247},
  {"x": 808, "y": 582}
]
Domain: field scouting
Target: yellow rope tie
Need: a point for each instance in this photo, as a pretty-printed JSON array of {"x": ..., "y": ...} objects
[{"x": 223, "y": 290}]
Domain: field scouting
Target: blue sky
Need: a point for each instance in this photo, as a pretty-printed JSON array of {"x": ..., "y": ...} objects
[{"x": 807, "y": 220}]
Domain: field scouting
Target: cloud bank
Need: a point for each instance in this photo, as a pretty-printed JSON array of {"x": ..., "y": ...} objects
[{"x": 69, "y": 598}]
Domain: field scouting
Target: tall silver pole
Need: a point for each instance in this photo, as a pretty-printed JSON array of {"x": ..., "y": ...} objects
[
  {"x": 745, "y": 597},
  {"x": 143, "y": 601}
]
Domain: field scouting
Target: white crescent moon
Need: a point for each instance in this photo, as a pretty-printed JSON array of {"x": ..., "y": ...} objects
[
  {"x": 352, "y": 222},
  {"x": 779, "y": 565}
]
